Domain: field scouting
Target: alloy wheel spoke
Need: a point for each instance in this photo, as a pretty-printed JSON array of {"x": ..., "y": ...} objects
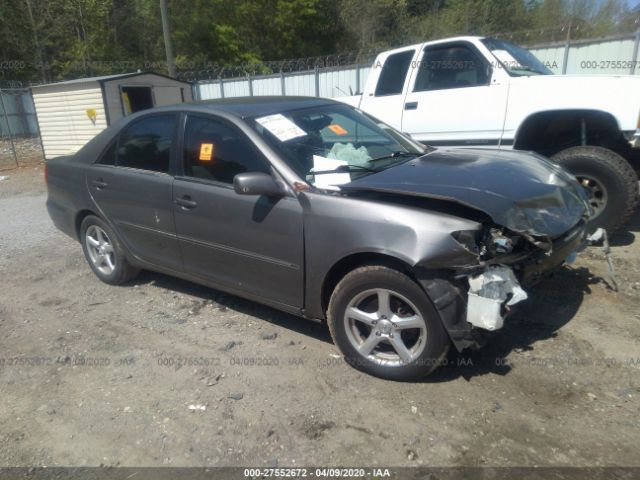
[
  {"x": 109, "y": 262},
  {"x": 369, "y": 344},
  {"x": 361, "y": 316},
  {"x": 403, "y": 323},
  {"x": 384, "y": 303},
  {"x": 400, "y": 348},
  {"x": 92, "y": 241}
]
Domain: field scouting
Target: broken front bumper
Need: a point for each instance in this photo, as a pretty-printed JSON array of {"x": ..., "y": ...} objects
[
  {"x": 490, "y": 293},
  {"x": 468, "y": 313}
]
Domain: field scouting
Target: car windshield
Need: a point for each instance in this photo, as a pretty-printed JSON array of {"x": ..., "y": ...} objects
[
  {"x": 333, "y": 144},
  {"x": 516, "y": 60}
]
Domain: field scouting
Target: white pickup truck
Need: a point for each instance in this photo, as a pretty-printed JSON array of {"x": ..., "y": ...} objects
[{"x": 484, "y": 92}]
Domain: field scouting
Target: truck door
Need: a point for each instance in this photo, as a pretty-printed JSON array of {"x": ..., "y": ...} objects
[
  {"x": 455, "y": 98},
  {"x": 385, "y": 88}
]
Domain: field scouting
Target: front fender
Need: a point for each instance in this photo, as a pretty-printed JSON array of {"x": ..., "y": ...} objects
[{"x": 338, "y": 226}]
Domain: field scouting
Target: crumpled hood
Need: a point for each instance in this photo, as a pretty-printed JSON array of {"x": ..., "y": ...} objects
[{"x": 522, "y": 191}]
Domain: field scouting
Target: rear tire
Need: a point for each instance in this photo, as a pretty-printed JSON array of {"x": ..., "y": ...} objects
[
  {"x": 385, "y": 324},
  {"x": 104, "y": 252},
  {"x": 610, "y": 181}
]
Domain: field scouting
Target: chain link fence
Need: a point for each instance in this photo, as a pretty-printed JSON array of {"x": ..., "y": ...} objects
[
  {"x": 563, "y": 48},
  {"x": 19, "y": 137}
]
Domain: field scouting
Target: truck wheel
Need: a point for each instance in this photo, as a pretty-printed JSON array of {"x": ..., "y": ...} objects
[
  {"x": 610, "y": 182},
  {"x": 386, "y": 325},
  {"x": 104, "y": 253}
]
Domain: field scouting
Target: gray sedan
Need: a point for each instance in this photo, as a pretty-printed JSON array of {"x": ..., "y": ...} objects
[{"x": 314, "y": 208}]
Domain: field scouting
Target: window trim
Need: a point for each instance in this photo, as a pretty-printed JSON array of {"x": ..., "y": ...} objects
[
  {"x": 180, "y": 173},
  {"x": 112, "y": 142},
  {"x": 406, "y": 76},
  {"x": 471, "y": 47}
]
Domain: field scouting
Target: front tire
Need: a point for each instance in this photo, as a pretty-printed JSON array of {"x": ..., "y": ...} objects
[
  {"x": 385, "y": 324},
  {"x": 610, "y": 182},
  {"x": 104, "y": 253}
]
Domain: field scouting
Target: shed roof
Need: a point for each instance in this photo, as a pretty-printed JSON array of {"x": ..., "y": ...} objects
[{"x": 104, "y": 78}]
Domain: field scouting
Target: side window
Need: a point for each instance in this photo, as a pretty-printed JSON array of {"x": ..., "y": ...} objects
[
  {"x": 394, "y": 72},
  {"x": 450, "y": 67},
  {"x": 146, "y": 144},
  {"x": 216, "y": 151}
]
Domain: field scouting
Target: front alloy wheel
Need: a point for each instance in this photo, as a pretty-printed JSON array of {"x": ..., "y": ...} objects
[
  {"x": 385, "y": 324},
  {"x": 385, "y": 327}
]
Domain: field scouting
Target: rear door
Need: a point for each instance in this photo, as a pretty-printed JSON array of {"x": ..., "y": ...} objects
[
  {"x": 131, "y": 184},
  {"x": 454, "y": 98},
  {"x": 385, "y": 89},
  {"x": 252, "y": 244}
]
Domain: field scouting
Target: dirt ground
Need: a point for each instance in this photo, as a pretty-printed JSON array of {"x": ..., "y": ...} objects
[
  {"x": 164, "y": 372},
  {"x": 28, "y": 152}
]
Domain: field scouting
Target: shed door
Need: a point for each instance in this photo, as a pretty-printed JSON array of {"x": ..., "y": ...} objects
[{"x": 135, "y": 99}]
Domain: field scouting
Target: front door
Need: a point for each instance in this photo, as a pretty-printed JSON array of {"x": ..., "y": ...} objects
[
  {"x": 132, "y": 188},
  {"x": 454, "y": 98},
  {"x": 385, "y": 86},
  {"x": 249, "y": 244}
]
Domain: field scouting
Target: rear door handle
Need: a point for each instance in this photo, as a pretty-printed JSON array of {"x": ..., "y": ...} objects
[
  {"x": 99, "y": 184},
  {"x": 411, "y": 105},
  {"x": 185, "y": 202}
]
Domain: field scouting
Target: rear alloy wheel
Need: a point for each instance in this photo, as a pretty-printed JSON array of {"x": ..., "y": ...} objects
[
  {"x": 100, "y": 249},
  {"x": 104, "y": 253},
  {"x": 609, "y": 181},
  {"x": 385, "y": 324}
]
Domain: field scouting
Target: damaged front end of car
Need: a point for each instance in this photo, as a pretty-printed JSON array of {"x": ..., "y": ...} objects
[
  {"x": 542, "y": 235},
  {"x": 529, "y": 216}
]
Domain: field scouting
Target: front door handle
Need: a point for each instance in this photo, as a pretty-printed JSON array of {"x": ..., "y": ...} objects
[
  {"x": 99, "y": 184},
  {"x": 411, "y": 106},
  {"x": 185, "y": 202}
]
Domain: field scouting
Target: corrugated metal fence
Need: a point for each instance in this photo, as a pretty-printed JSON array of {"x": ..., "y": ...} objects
[
  {"x": 320, "y": 82},
  {"x": 615, "y": 55},
  {"x": 19, "y": 138}
]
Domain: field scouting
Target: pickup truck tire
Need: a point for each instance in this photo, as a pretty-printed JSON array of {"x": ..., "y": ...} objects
[
  {"x": 104, "y": 252},
  {"x": 386, "y": 325},
  {"x": 610, "y": 181}
]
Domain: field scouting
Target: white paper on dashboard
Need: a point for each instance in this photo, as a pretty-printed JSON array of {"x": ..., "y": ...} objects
[
  {"x": 329, "y": 180},
  {"x": 283, "y": 128}
]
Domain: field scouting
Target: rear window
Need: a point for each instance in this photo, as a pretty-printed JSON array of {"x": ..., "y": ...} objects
[{"x": 146, "y": 144}]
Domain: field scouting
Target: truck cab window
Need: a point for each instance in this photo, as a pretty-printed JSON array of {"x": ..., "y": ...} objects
[
  {"x": 450, "y": 67},
  {"x": 394, "y": 72}
]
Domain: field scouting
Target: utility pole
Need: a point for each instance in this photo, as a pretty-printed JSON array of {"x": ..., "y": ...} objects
[{"x": 168, "y": 47}]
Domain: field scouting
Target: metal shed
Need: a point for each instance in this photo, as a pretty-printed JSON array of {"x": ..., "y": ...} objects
[{"x": 71, "y": 113}]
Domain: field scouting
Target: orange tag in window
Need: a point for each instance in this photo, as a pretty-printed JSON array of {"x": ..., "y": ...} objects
[
  {"x": 206, "y": 152},
  {"x": 337, "y": 129}
]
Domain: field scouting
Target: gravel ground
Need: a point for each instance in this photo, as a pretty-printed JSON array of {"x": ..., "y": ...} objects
[{"x": 164, "y": 372}]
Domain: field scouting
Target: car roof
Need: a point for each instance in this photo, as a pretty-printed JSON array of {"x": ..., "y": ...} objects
[{"x": 244, "y": 107}]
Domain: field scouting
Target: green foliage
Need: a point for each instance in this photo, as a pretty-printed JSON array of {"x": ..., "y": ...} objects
[{"x": 45, "y": 40}]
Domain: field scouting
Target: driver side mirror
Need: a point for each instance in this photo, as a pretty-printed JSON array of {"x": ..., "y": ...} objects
[{"x": 257, "y": 183}]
